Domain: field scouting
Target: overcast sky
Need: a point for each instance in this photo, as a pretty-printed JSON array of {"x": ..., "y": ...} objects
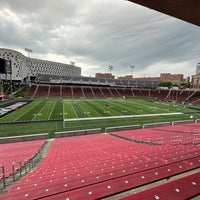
[{"x": 98, "y": 33}]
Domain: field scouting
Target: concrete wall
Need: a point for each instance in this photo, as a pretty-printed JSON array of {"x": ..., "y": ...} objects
[
  {"x": 122, "y": 128},
  {"x": 23, "y": 138},
  {"x": 77, "y": 133},
  {"x": 154, "y": 125}
]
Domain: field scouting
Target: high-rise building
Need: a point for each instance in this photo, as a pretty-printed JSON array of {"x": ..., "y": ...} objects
[
  {"x": 23, "y": 67},
  {"x": 198, "y": 69},
  {"x": 196, "y": 78}
]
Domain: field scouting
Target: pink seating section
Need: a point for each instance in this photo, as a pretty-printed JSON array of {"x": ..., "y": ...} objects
[
  {"x": 75, "y": 91},
  {"x": 19, "y": 151},
  {"x": 96, "y": 166},
  {"x": 182, "y": 128},
  {"x": 180, "y": 189},
  {"x": 165, "y": 134}
]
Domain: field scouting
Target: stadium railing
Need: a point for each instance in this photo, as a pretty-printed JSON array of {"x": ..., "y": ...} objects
[
  {"x": 176, "y": 140},
  {"x": 196, "y": 139},
  {"x": 77, "y": 133},
  {"x": 153, "y": 125},
  {"x": 2, "y": 176},
  {"x": 197, "y": 120},
  {"x": 103, "y": 165},
  {"x": 16, "y": 163},
  {"x": 120, "y": 128},
  {"x": 22, "y": 138},
  {"x": 182, "y": 122}
]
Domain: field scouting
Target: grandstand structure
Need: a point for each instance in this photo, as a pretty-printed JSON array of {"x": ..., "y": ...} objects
[
  {"x": 55, "y": 86},
  {"x": 93, "y": 81},
  {"x": 105, "y": 165},
  {"x": 181, "y": 9},
  {"x": 24, "y": 67},
  {"x": 91, "y": 91},
  {"x": 161, "y": 162}
]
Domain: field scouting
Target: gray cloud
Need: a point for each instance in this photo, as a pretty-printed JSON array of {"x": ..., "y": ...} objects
[{"x": 101, "y": 33}]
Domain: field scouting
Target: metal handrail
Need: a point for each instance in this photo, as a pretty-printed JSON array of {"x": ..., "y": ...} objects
[
  {"x": 13, "y": 169},
  {"x": 3, "y": 176}
]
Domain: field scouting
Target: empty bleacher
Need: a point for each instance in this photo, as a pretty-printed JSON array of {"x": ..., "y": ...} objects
[
  {"x": 31, "y": 91},
  {"x": 55, "y": 91},
  {"x": 195, "y": 98},
  {"x": 141, "y": 93},
  {"x": 115, "y": 93},
  {"x": 183, "y": 95},
  {"x": 183, "y": 188},
  {"x": 67, "y": 92},
  {"x": 14, "y": 153},
  {"x": 173, "y": 95},
  {"x": 107, "y": 93},
  {"x": 182, "y": 128},
  {"x": 76, "y": 91},
  {"x": 42, "y": 91},
  {"x": 46, "y": 79},
  {"x": 98, "y": 92},
  {"x": 163, "y": 94},
  {"x": 125, "y": 92},
  {"x": 88, "y": 92},
  {"x": 101, "y": 166},
  {"x": 167, "y": 135}
]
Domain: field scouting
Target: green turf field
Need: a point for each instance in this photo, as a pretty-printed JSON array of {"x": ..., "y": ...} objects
[{"x": 44, "y": 115}]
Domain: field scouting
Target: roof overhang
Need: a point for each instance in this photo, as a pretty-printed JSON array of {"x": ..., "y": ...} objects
[{"x": 187, "y": 10}]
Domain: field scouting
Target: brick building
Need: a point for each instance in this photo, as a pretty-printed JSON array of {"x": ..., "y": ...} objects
[
  {"x": 147, "y": 79},
  {"x": 105, "y": 76},
  {"x": 127, "y": 77},
  {"x": 174, "y": 78}
]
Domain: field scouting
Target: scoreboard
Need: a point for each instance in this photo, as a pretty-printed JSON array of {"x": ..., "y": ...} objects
[{"x": 5, "y": 66}]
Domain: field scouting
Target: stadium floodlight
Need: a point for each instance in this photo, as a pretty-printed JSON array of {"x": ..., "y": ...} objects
[
  {"x": 28, "y": 51},
  {"x": 72, "y": 63},
  {"x": 1, "y": 84},
  {"x": 29, "y": 70},
  {"x": 132, "y": 67},
  {"x": 110, "y": 68}
]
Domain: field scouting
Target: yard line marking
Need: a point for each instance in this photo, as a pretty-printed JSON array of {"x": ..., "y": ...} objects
[
  {"x": 39, "y": 111},
  {"x": 85, "y": 111},
  {"x": 52, "y": 110},
  {"x": 73, "y": 109},
  {"x": 24, "y": 113},
  {"x": 63, "y": 115},
  {"x": 124, "y": 116}
]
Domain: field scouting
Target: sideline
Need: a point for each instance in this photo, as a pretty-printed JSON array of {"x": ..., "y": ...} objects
[{"x": 123, "y": 116}]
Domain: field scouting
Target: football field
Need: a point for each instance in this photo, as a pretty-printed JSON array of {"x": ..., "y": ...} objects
[{"x": 70, "y": 114}]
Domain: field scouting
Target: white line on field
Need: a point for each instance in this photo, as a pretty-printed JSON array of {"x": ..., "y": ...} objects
[
  {"x": 24, "y": 113},
  {"x": 52, "y": 110},
  {"x": 124, "y": 116}
]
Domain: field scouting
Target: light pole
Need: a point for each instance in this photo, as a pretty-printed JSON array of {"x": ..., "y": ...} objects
[
  {"x": 110, "y": 68},
  {"x": 29, "y": 51},
  {"x": 1, "y": 83},
  {"x": 132, "y": 67}
]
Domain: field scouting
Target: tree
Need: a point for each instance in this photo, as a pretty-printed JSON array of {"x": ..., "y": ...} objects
[
  {"x": 165, "y": 84},
  {"x": 185, "y": 85}
]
